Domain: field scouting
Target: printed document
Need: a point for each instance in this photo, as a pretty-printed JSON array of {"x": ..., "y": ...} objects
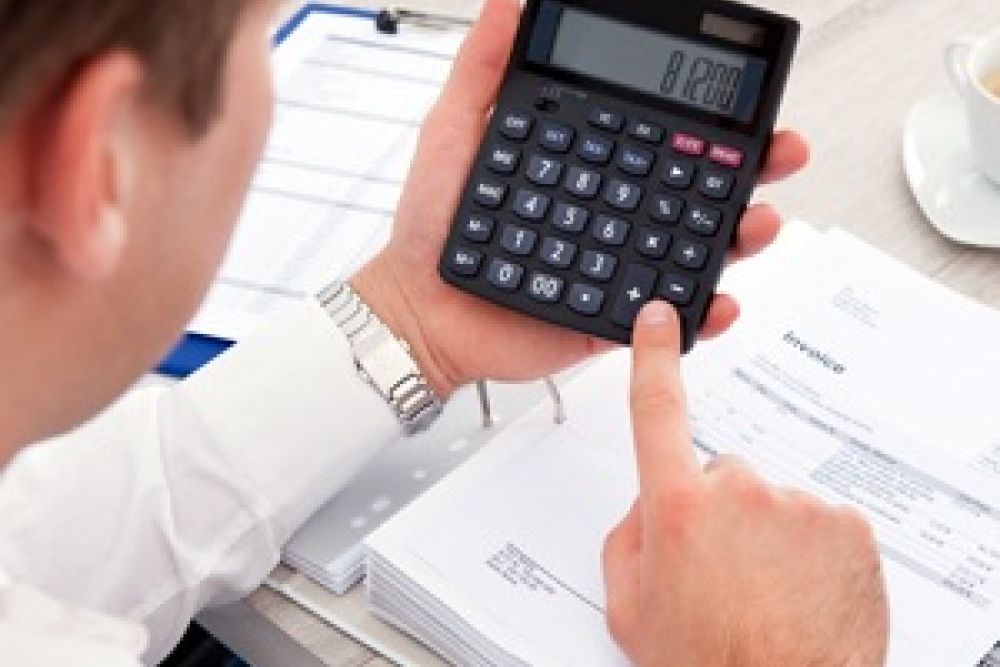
[
  {"x": 350, "y": 103},
  {"x": 833, "y": 383}
]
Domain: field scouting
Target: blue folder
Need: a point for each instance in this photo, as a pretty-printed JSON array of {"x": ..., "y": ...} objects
[{"x": 196, "y": 350}]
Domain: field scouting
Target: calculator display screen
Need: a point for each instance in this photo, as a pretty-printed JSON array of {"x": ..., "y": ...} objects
[{"x": 707, "y": 78}]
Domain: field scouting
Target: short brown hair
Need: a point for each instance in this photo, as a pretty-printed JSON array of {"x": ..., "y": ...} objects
[{"x": 183, "y": 44}]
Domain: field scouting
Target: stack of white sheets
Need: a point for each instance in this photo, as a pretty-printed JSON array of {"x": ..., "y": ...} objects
[{"x": 850, "y": 376}]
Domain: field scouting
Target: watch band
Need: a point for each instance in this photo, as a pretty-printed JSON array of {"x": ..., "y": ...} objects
[{"x": 383, "y": 360}]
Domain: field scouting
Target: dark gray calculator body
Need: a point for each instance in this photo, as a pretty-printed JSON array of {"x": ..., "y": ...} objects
[{"x": 625, "y": 145}]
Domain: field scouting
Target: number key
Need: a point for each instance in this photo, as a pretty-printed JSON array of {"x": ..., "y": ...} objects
[
  {"x": 623, "y": 196},
  {"x": 531, "y": 205},
  {"x": 558, "y": 253},
  {"x": 583, "y": 183},
  {"x": 518, "y": 241},
  {"x": 544, "y": 171},
  {"x": 611, "y": 231},
  {"x": 545, "y": 288},
  {"x": 598, "y": 265},
  {"x": 571, "y": 218},
  {"x": 505, "y": 275}
]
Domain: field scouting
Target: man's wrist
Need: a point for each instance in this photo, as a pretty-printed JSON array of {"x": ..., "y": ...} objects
[{"x": 377, "y": 285}]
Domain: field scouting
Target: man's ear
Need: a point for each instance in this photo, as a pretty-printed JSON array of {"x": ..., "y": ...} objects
[{"x": 84, "y": 161}]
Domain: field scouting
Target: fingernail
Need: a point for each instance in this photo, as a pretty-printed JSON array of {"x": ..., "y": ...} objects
[{"x": 656, "y": 314}]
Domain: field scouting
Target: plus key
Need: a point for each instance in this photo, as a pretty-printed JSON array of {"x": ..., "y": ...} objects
[{"x": 636, "y": 289}]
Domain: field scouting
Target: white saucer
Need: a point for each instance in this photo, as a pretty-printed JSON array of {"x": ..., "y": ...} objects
[{"x": 958, "y": 200}]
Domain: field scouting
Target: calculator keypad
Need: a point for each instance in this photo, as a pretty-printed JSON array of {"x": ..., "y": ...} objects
[{"x": 589, "y": 215}]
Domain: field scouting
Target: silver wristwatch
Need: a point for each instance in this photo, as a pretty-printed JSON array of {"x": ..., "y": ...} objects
[{"x": 383, "y": 360}]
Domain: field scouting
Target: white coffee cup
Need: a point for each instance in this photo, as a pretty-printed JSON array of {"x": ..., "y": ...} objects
[{"x": 969, "y": 62}]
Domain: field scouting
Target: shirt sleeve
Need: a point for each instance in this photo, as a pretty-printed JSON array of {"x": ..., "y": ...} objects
[{"x": 179, "y": 498}]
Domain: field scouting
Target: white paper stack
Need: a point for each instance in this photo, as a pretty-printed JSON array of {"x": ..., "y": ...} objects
[{"x": 841, "y": 379}]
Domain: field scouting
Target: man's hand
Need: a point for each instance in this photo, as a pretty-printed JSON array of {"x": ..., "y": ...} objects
[
  {"x": 713, "y": 568},
  {"x": 455, "y": 337}
]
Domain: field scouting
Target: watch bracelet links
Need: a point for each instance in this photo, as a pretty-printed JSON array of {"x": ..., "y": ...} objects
[{"x": 409, "y": 395}]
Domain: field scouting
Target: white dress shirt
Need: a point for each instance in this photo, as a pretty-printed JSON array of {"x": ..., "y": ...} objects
[{"x": 113, "y": 537}]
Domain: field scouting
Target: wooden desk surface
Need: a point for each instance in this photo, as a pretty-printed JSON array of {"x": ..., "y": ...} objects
[{"x": 861, "y": 65}]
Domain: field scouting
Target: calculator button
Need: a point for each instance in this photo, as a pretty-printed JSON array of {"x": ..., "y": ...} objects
[
  {"x": 585, "y": 299},
  {"x": 703, "y": 220},
  {"x": 544, "y": 171},
  {"x": 583, "y": 182},
  {"x": 478, "y": 228},
  {"x": 571, "y": 218},
  {"x": 636, "y": 161},
  {"x": 503, "y": 160},
  {"x": 653, "y": 243},
  {"x": 598, "y": 265},
  {"x": 636, "y": 290},
  {"x": 666, "y": 208},
  {"x": 623, "y": 196},
  {"x": 647, "y": 132},
  {"x": 465, "y": 262},
  {"x": 678, "y": 174},
  {"x": 678, "y": 290},
  {"x": 726, "y": 156},
  {"x": 611, "y": 231},
  {"x": 545, "y": 288},
  {"x": 716, "y": 185},
  {"x": 490, "y": 194},
  {"x": 516, "y": 125},
  {"x": 595, "y": 149},
  {"x": 687, "y": 144},
  {"x": 607, "y": 120},
  {"x": 557, "y": 138},
  {"x": 505, "y": 275},
  {"x": 531, "y": 205},
  {"x": 558, "y": 253},
  {"x": 690, "y": 255},
  {"x": 518, "y": 241}
]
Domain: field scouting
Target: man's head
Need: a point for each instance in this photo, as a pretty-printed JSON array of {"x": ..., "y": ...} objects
[{"x": 129, "y": 130}]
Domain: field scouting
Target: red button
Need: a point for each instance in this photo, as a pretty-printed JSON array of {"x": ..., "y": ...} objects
[
  {"x": 724, "y": 155},
  {"x": 689, "y": 145}
]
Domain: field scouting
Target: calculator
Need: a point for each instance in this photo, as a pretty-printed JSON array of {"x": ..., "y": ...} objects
[{"x": 625, "y": 144}]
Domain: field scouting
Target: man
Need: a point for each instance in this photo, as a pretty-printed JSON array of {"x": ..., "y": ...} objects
[{"x": 129, "y": 130}]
